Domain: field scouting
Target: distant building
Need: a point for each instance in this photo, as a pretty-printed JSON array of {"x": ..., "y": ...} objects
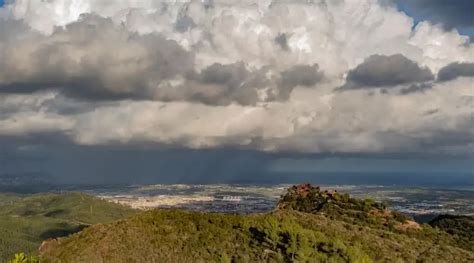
[{"x": 230, "y": 198}]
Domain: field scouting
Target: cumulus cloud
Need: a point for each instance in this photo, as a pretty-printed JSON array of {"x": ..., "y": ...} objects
[
  {"x": 456, "y": 70},
  {"x": 386, "y": 71},
  {"x": 92, "y": 58},
  {"x": 250, "y": 74}
]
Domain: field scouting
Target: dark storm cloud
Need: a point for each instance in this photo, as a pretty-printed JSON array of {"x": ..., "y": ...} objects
[
  {"x": 385, "y": 71},
  {"x": 450, "y": 13},
  {"x": 91, "y": 58},
  {"x": 456, "y": 70},
  {"x": 231, "y": 75},
  {"x": 221, "y": 84},
  {"x": 184, "y": 23},
  {"x": 301, "y": 75},
  {"x": 12, "y": 30},
  {"x": 282, "y": 41},
  {"x": 442, "y": 139},
  {"x": 416, "y": 88},
  {"x": 64, "y": 163},
  {"x": 95, "y": 59},
  {"x": 61, "y": 163}
]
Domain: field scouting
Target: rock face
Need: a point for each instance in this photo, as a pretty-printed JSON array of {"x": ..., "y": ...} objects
[
  {"x": 311, "y": 199},
  {"x": 47, "y": 245},
  {"x": 305, "y": 198}
]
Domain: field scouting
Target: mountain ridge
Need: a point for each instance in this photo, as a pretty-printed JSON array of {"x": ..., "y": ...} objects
[{"x": 309, "y": 225}]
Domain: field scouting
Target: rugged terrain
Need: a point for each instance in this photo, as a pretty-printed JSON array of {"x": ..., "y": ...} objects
[{"x": 309, "y": 225}]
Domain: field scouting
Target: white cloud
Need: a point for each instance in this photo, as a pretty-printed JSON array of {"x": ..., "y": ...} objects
[{"x": 337, "y": 36}]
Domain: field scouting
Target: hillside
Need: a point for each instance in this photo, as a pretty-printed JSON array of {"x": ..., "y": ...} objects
[
  {"x": 309, "y": 225},
  {"x": 27, "y": 220},
  {"x": 462, "y": 227}
]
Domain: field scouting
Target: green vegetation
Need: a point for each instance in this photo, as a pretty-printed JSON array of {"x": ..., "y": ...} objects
[
  {"x": 462, "y": 227},
  {"x": 22, "y": 258},
  {"x": 308, "y": 226},
  {"x": 281, "y": 236},
  {"x": 27, "y": 220},
  {"x": 309, "y": 199}
]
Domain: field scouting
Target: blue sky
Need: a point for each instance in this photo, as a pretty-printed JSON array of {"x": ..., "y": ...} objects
[{"x": 452, "y": 14}]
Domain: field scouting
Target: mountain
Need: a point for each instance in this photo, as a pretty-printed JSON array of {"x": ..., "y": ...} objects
[
  {"x": 309, "y": 225},
  {"x": 27, "y": 220}
]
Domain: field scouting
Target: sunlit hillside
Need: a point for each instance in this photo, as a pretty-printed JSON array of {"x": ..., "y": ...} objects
[{"x": 309, "y": 225}]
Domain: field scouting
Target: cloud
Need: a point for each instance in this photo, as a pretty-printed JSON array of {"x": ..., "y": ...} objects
[
  {"x": 255, "y": 75},
  {"x": 282, "y": 41},
  {"x": 386, "y": 71},
  {"x": 456, "y": 70},
  {"x": 221, "y": 84},
  {"x": 301, "y": 75},
  {"x": 95, "y": 59},
  {"x": 343, "y": 123},
  {"x": 416, "y": 88},
  {"x": 92, "y": 58},
  {"x": 451, "y": 14}
]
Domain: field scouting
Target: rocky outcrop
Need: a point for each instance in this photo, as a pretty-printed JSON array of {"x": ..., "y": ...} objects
[{"x": 311, "y": 199}]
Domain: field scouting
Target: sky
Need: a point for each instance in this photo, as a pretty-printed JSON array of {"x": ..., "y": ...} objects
[
  {"x": 455, "y": 14},
  {"x": 227, "y": 91}
]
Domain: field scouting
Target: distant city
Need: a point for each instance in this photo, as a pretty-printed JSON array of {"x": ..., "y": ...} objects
[{"x": 422, "y": 203}]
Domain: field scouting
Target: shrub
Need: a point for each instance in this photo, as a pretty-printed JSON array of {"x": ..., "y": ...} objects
[{"x": 23, "y": 258}]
